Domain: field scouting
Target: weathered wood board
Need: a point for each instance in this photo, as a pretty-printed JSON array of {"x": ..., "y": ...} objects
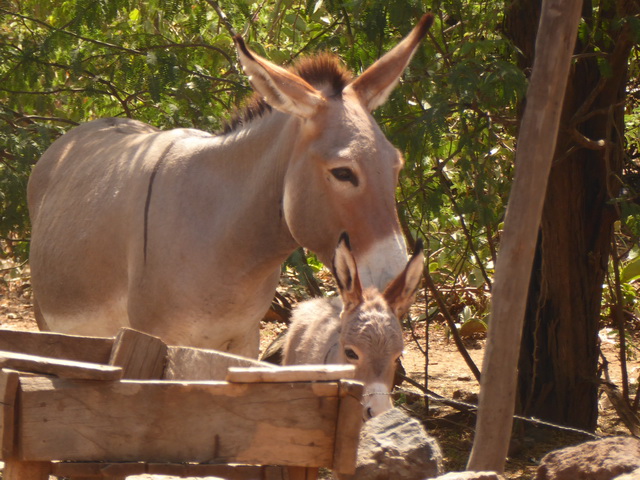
[
  {"x": 228, "y": 472},
  {"x": 15, "y": 470},
  {"x": 56, "y": 345},
  {"x": 348, "y": 427},
  {"x": 215, "y": 422},
  {"x": 61, "y": 368},
  {"x": 293, "y": 373},
  {"x": 141, "y": 356},
  {"x": 8, "y": 392}
]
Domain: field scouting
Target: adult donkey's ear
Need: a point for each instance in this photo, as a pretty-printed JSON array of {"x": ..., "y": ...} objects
[
  {"x": 401, "y": 292},
  {"x": 282, "y": 89},
  {"x": 345, "y": 271},
  {"x": 376, "y": 83}
]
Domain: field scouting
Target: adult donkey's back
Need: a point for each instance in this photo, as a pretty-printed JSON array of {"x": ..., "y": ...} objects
[{"x": 181, "y": 233}]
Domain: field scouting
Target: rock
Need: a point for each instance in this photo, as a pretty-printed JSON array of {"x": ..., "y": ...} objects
[
  {"x": 635, "y": 475},
  {"x": 395, "y": 446},
  {"x": 604, "y": 459},
  {"x": 469, "y": 476}
]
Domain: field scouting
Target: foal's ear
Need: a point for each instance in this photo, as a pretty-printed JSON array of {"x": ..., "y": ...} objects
[
  {"x": 345, "y": 271},
  {"x": 376, "y": 83},
  {"x": 401, "y": 293},
  {"x": 283, "y": 90}
]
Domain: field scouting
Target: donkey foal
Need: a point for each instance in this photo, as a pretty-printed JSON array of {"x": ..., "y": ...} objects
[{"x": 362, "y": 327}]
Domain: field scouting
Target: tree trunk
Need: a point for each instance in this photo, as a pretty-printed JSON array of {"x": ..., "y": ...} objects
[{"x": 559, "y": 351}]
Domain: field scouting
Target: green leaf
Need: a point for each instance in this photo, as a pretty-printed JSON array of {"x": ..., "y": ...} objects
[
  {"x": 631, "y": 271},
  {"x": 134, "y": 15},
  {"x": 297, "y": 22}
]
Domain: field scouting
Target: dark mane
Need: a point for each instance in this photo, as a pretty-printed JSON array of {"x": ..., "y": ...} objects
[
  {"x": 256, "y": 107},
  {"x": 323, "y": 71}
]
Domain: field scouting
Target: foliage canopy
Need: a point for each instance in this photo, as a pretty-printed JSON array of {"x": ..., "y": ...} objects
[{"x": 172, "y": 64}]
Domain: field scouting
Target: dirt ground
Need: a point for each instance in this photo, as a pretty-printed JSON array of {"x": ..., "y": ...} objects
[{"x": 448, "y": 376}]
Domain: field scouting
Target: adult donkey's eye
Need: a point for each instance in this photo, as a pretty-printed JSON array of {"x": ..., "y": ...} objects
[
  {"x": 350, "y": 354},
  {"x": 345, "y": 174}
]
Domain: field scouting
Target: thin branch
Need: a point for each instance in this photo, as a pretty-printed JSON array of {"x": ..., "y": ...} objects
[
  {"x": 5, "y": 159},
  {"x": 209, "y": 77},
  {"x": 19, "y": 116},
  {"x": 460, "y": 406},
  {"x": 586, "y": 142},
  {"x": 467, "y": 233},
  {"x": 72, "y": 34},
  {"x": 49, "y": 119},
  {"x": 49, "y": 92},
  {"x": 452, "y": 324},
  {"x": 617, "y": 313},
  {"x": 139, "y": 50},
  {"x": 414, "y": 336},
  {"x": 620, "y": 404},
  {"x": 312, "y": 40},
  {"x": 223, "y": 17},
  {"x": 15, "y": 267}
]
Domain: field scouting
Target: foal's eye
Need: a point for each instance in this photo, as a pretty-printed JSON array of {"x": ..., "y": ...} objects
[
  {"x": 345, "y": 174},
  {"x": 350, "y": 354}
]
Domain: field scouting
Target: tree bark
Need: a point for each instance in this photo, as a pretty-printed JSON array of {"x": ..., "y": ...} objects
[{"x": 559, "y": 350}]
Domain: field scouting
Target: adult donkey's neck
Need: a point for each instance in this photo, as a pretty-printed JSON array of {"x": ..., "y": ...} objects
[
  {"x": 232, "y": 185},
  {"x": 259, "y": 155}
]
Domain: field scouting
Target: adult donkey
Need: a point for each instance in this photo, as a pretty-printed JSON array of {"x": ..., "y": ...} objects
[{"x": 181, "y": 233}]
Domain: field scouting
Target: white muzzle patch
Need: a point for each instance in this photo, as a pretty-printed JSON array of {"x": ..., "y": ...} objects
[
  {"x": 383, "y": 262},
  {"x": 377, "y": 400}
]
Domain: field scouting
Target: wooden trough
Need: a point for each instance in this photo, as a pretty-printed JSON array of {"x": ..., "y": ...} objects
[{"x": 86, "y": 407}]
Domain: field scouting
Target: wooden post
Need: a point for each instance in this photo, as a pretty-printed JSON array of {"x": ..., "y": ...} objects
[
  {"x": 345, "y": 451},
  {"x": 8, "y": 392},
  {"x": 15, "y": 469},
  {"x": 536, "y": 144}
]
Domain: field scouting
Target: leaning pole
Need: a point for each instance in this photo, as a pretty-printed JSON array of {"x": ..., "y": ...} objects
[{"x": 555, "y": 42}]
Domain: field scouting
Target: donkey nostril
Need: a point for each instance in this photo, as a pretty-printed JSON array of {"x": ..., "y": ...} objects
[{"x": 369, "y": 412}]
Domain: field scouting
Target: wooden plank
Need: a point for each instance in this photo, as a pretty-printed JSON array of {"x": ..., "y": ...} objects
[
  {"x": 55, "y": 345},
  {"x": 294, "y": 373},
  {"x": 141, "y": 356},
  {"x": 60, "y": 368},
  {"x": 97, "y": 469},
  {"x": 211, "y": 422},
  {"x": 8, "y": 392},
  {"x": 186, "y": 363},
  {"x": 18, "y": 470},
  {"x": 348, "y": 429},
  {"x": 302, "y": 473},
  {"x": 228, "y": 472}
]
